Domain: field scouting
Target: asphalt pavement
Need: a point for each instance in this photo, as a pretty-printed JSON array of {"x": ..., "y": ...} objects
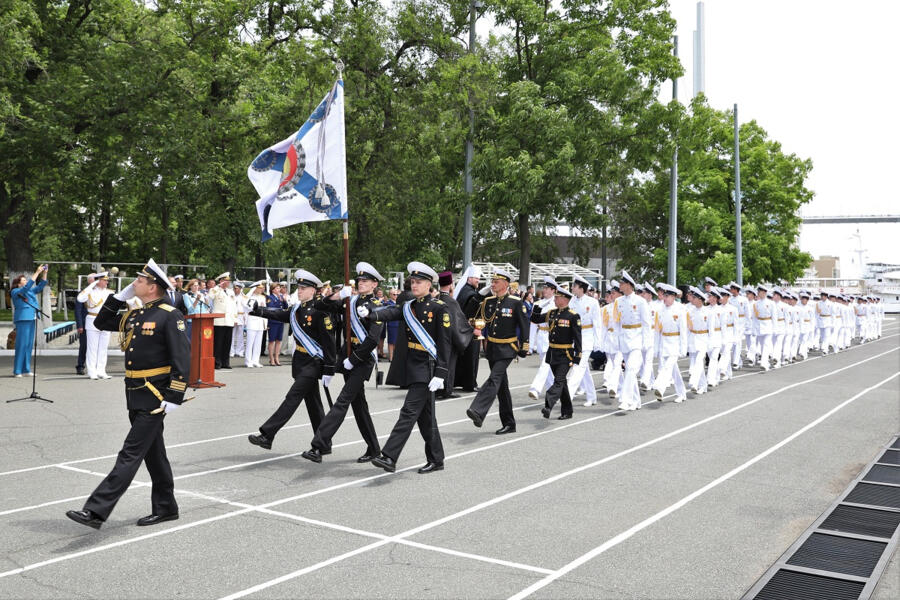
[{"x": 691, "y": 500}]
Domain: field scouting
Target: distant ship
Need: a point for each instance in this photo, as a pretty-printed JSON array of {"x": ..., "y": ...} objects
[{"x": 883, "y": 281}]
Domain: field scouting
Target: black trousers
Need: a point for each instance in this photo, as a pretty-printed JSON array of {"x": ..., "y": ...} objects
[
  {"x": 497, "y": 385},
  {"x": 418, "y": 408},
  {"x": 144, "y": 443},
  {"x": 352, "y": 394},
  {"x": 303, "y": 388},
  {"x": 451, "y": 372},
  {"x": 222, "y": 345},
  {"x": 467, "y": 366},
  {"x": 82, "y": 350},
  {"x": 559, "y": 390}
]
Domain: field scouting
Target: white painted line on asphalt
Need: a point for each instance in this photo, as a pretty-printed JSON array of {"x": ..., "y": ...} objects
[
  {"x": 440, "y": 521},
  {"x": 542, "y": 483},
  {"x": 615, "y": 541}
]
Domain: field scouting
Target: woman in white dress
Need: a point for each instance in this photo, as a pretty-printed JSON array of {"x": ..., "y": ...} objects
[{"x": 255, "y": 326}]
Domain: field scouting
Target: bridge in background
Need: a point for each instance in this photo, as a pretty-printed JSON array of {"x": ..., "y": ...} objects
[{"x": 851, "y": 219}]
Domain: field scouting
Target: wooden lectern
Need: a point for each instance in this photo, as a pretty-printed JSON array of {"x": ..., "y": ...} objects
[{"x": 203, "y": 363}]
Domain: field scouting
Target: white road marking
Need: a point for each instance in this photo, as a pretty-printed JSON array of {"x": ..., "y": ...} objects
[{"x": 615, "y": 541}]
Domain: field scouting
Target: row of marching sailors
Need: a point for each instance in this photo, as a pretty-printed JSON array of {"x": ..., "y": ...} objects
[{"x": 640, "y": 323}]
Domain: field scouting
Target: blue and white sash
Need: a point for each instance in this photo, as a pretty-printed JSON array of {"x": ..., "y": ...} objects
[
  {"x": 309, "y": 344},
  {"x": 356, "y": 325},
  {"x": 419, "y": 331}
]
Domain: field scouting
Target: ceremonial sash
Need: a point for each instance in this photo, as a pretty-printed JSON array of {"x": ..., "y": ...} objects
[
  {"x": 309, "y": 344},
  {"x": 419, "y": 331},
  {"x": 357, "y": 326}
]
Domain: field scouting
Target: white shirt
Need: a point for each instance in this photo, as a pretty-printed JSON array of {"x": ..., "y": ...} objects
[
  {"x": 632, "y": 322},
  {"x": 223, "y": 302},
  {"x": 763, "y": 314},
  {"x": 698, "y": 328},
  {"x": 671, "y": 329},
  {"x": 256, "y": 323},
  {"x": 588, "y": 309}
]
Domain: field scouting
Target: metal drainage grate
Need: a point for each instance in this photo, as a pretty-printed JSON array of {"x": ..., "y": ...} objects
[
  {"x": 844, "y": 552},
  {"x": 791, "y": 585}
]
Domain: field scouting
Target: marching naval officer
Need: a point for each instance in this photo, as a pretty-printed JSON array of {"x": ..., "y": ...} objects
[
  {"x": 469, "y": 300},
  {"x": 357, "y": 368},
  {"x": 539, "y": 339},
  {"x": 506, "y": 328},
  {"x": 461, "y": 332},
  {"x": 564, "y": 348},
  {"x": 314, "y": 358},
  {"x": 632, "y": 325},
  {"x": 157, "y": 363},
  {"x": 588, "y": 310},
  {"x": 670, "y": 324},
  {"x": 427, "y": 335}
]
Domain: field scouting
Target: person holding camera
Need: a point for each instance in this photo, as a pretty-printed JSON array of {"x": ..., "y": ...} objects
[{"x": 25, "y": 306}]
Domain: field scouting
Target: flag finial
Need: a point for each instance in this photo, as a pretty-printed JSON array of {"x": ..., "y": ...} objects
[{"x": 339, "y": 65}]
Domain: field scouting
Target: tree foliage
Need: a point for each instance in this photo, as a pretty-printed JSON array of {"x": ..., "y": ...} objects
[{"x": 126, "y": 128}]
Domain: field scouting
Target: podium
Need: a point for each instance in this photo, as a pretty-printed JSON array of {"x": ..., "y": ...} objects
[{"x": 203, "y": 363}]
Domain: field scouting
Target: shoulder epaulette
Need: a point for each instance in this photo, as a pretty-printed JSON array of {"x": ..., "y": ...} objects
[
  {"x": 511, "y": 297},
  {"x": 436, "y": 301},
  {"x": 167, "y": 307}
]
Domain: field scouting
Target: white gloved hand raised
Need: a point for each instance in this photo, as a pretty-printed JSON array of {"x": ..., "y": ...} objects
[
  {"x": 345, "y": 292},
  {"x": 485, "y": 290},
  {"x": 362, "y": 311},
  {"x": 348, "y": 365},
  {"x": 126, "y": 294},
  {"x": 435, "y": 384},
  {"x": 326, "y": 379},
  {"x": 168, "y": 406}
]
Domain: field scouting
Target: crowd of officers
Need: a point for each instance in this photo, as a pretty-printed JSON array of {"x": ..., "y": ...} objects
[{"x": 640, "y": 329}]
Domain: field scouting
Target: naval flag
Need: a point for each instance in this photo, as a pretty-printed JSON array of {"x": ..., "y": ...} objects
[{"x": 304, "y": 177}]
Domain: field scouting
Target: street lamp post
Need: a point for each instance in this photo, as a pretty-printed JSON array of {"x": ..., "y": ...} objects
[{"x": 470, "y": 150}]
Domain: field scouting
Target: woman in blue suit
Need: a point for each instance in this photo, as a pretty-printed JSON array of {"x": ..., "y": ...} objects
[{"x": 25, "y": 298}]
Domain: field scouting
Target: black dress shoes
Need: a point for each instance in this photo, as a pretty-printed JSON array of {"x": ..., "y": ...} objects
[
  {"x": 365, "y": 458},
  {"x": 85, "y": 517},
  {"x": 431, "y": 467},
  {"x": 79, "y": 371},
  {"x": 154, "y": 519},
  {"x": 476, "y": 420},
  {"x": 563, "y": 417},
  {"x": 260, "y": 440},
  {"x": 546, "y": 412},
  {"x": 312, "y": 454},
  {"x": 385, "y": 462},
  {"x": 506, "y": 429}
]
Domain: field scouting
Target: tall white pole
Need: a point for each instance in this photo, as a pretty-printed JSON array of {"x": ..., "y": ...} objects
[
  {"x": 738, "y": 249},
  {"x": 673, "y": 195}
]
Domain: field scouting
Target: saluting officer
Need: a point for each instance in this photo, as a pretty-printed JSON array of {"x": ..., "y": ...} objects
[
  {"x": 314, "y": 358},
  {"x": 157, "y": 364},
  {"x": 467, "y": 296},
  {"x": 564, "y": 349},
  {"x": 427, "y": 336},
  {"x": 506, "y": 329},
  {"x": 357, "y": 368}
]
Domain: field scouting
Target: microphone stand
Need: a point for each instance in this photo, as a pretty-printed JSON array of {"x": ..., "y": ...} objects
[{"x": 34, "y": 397}]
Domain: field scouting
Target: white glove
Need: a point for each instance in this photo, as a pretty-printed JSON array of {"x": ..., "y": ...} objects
[
  {"x": 168, "y": 406},
  {"x": 345, "y": 292},
  {"x": 326, "y": 379},
  {"x": 485, "y": 290},
  {"x": 347, "y": 364},
  {"x": 125, "y": 294},
  {"x": 435, "y": 384},
  {"x": 362, "y": 311}
]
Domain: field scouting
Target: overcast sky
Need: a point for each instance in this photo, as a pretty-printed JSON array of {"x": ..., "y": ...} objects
[{"x": 821, "y": 77}]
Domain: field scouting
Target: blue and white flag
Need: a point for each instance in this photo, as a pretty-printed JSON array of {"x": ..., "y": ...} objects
[{"x": 304, "y": 177}]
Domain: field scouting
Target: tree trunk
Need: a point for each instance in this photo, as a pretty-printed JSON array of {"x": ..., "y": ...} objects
[
  {"x": 524, "y": 251},
  {"x": 105, "y": 219},
  {"x": 15, "y": 222}
]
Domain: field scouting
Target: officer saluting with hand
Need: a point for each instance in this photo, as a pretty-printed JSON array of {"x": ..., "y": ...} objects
[
  {"x": 157, "y": 364},
  {"x": 565, "y": 339},
  {"x": 427, "y": 335}
]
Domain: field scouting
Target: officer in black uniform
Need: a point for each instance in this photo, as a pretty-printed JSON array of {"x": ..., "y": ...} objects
[
  {"x": 506, "y": 329},
  {"x": 157, "y": 365},
  {"x": 469, "y": 300},
  {"x": 307, "y": 364},
  {"x": 460, "y": 333},
  {"x": 357, "y": 368},
  {"x": 425, "y": 369},
  {"x": 564, "y": 326}
]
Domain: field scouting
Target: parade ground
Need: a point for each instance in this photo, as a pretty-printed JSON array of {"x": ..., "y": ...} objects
[{"x": 691, "y": 500}]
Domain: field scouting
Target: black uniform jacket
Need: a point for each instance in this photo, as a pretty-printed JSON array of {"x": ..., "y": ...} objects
[
  {"x": 433, "y": 316},
  {"x": 157, "y": 351},
  {"x": 361, "y": 352},
  {"x": 461, "y": 330},
  {"x": 565, "y": 334},
  {"x": 506, "y": 327},
  {"x": 317, "y": 325}
]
